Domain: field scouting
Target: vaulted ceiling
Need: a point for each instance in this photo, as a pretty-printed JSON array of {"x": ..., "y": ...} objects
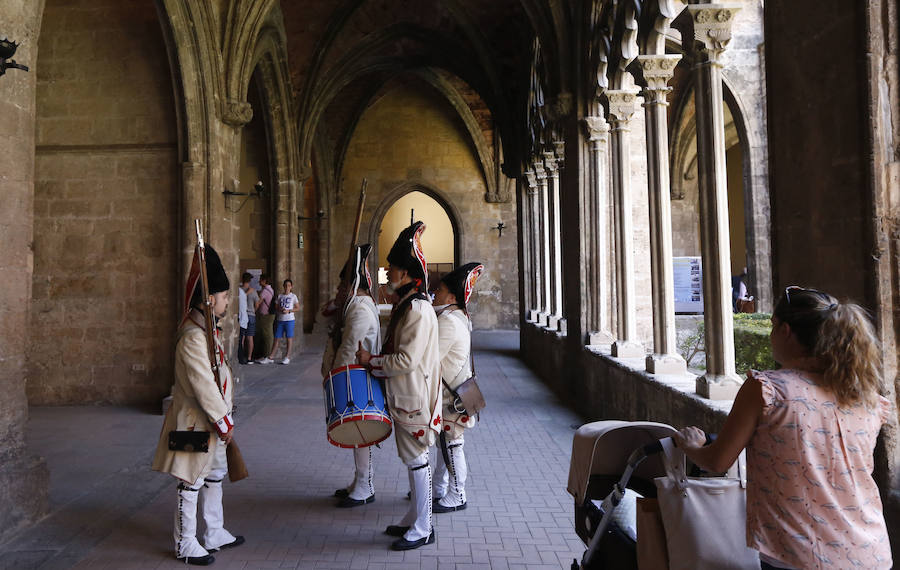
[{"x": 341, "y": 53}]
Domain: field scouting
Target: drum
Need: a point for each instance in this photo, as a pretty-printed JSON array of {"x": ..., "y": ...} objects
[{"x": 355, "y": 411}]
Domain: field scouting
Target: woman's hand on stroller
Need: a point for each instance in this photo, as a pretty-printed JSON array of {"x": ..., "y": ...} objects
[{"x": 690, "y": 438}]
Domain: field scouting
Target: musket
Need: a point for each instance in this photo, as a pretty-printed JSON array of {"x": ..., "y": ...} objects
[
  {"x": 237, "y": 469},
  {"x": 349, "y": 276},
  {"x": 359, "y": 212}
]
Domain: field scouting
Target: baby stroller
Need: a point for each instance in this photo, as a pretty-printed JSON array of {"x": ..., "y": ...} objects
[{"x": 604, "y": 479}]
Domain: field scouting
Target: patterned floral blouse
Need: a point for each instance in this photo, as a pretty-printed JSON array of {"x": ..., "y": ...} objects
[{"x": 811, "y": 499}]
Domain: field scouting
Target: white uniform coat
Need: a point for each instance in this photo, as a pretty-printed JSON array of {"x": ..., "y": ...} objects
[
  {"x": 361, "y": 324},
  {"x": 197, "y": 403},
  {"x": 413, "y": 375},
  {"x": 455, "y": 343}
]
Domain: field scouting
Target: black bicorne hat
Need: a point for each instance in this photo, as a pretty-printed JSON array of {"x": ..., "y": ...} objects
[
  {"x": 362, "y": 279},
  {"x": 461, "y": 281},
  {"x": 406, "y": 253},
  {"x": 215, "y": 272}
]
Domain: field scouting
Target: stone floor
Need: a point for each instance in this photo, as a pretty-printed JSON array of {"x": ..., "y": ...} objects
[{"x": 109, "y": 511}]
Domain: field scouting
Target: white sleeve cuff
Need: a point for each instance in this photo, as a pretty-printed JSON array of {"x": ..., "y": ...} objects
[
  {"x": 375, "y": 366},
  {"x": 225, "y": 425}
]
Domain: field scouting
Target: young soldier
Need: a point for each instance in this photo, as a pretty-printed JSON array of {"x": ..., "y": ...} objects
[
  {"x": 455, "y": 341},
  {"x": 200, "y": 404},
  {"x": 410, "y": 364},
  {"x": 358, "y": 326}
]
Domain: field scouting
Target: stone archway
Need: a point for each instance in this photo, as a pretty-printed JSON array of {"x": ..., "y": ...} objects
[
  {"x": 741, "y": 134},
  {"x": 391, "y": 198}
]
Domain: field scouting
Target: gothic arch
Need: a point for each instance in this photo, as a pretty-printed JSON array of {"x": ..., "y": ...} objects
[
  {"x": 683, "y": 155},
  {"x": 429, "y": 190}
]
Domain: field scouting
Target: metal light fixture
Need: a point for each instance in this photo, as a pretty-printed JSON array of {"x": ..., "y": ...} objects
[
  {"x": 258, "y": 191},
  {"x": 499, "y": 227},
  {"x": 7, "y": 50}
]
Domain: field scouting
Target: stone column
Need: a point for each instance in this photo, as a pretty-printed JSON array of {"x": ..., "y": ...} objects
[
  {"x": 24, "y": 478},
  {"x": 622, "y": 105},
  {"x": 534, "y": 234},
  {"x": 656, "y": 71},
  {"x": 596, "y": 226},
  {"x": 555, "y": 240},
  {"x": 710, "y": 27},
  {"x": 525, "y": 243},
  {"x": 544, "y": 248}
]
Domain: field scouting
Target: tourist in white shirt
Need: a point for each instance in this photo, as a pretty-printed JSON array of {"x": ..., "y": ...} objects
[{"x": 285, "y": 307}]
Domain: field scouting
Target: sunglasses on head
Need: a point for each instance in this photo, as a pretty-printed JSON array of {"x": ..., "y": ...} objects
[{"x": 797, "y": 288}]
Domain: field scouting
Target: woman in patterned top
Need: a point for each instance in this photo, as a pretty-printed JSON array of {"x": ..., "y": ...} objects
[{"x": 810, "y": 430}]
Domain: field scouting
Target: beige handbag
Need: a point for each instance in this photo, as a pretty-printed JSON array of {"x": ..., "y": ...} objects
[{"x": 705, "y": 518}]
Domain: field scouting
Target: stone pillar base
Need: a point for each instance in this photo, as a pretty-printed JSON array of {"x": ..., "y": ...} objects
[
  {"x": 542, "y": 319},
  {"x": 666, "y": 364},
  {"x": 595, "y": 338},
  {"x": 563, "y": 326},
  {"x": 553, "y": 322},
  {"x": 24, "y": 484},
  {"x": 627, "y": 349},
  {"x": 718, "y": 387}
]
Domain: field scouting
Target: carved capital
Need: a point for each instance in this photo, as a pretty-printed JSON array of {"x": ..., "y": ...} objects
[
  {"x": 597, "y": 129},
  {"x": 540, "y": 172},
  {"x": 710, "y": 27},
  {"x": 622, "y": 104},
  {"x": 657, "y": 70},
  {"x": 559, "y": 149},
  {"x": 531, "y": 181},
  {"x": 237, "y": 113},
  {"x": 550, "y": 163}
]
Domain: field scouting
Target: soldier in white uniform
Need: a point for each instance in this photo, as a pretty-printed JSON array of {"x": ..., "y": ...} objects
[
  {"x": 355, "y": 324},
  {"x": 410, "y": 364},
  {"x": 455, "y": 341},
  {"x": 200, "y": 404}
]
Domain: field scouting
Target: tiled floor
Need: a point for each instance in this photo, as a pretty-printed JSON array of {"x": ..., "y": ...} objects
[{"x": 109, "y": 511}]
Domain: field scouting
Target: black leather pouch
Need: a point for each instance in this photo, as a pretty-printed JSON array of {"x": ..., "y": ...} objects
[{"x": 191, "y": 441}]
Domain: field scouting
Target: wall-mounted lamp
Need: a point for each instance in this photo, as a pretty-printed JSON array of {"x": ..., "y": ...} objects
[
  {"x": 7, "y": 50},
  {"x": 258, "y": 191},
  {"x": 320, "y": 215},
  {"x": 499, "y": 227}
]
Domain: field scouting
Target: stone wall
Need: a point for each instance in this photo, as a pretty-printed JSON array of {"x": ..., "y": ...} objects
[
  {"x": 411, "y": 136},
  {"x": 105, "y": 207},
  {"x": 23, "y": 476},
  {"x": 835, "y": 174}
]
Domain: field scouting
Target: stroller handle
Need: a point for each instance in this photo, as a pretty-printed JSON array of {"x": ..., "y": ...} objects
[{"x": 656, "y": 446}]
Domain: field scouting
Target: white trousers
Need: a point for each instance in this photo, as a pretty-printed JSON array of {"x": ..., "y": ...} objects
[
  {"x": 207, "y": 491},
  {"x": 363, "y": 485},
  {"x": 450, "y": 484},
  {"x": 418, "y": 517}
]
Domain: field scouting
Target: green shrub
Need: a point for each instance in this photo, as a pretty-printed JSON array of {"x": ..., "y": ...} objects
[{"x": 751, "y": 343}]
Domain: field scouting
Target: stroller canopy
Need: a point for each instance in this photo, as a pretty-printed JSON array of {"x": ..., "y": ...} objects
[{"x": 603, "y": 448}]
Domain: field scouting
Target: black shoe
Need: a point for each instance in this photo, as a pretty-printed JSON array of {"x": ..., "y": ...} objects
[
  {"x": 348, "y": 503},
  {"x": 341, "y": 493},
  {"x": 396, "y": 530},
  {"x": 197, "y": 560},
  {"x": 238, "y": 540},
  {"x": 403, "y": 544},
  {"x": 436, "y": 507}
]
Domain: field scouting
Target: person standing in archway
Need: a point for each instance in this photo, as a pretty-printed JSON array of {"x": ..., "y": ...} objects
[
  {"x": 410, "y": 364},
  {"x": 265, "y": 317},
  {"x": 455, "y": 342},
  {"x": 357, "y": 326}
]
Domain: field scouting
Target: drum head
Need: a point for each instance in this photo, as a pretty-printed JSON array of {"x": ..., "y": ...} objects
[{"x": 360, "y": 430}]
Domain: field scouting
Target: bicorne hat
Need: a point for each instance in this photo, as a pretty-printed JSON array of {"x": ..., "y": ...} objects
[
  {"x": 362, "y": 279},
  {"x": 406, "y": 253},
  {"x": 461, "y": 281}
]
